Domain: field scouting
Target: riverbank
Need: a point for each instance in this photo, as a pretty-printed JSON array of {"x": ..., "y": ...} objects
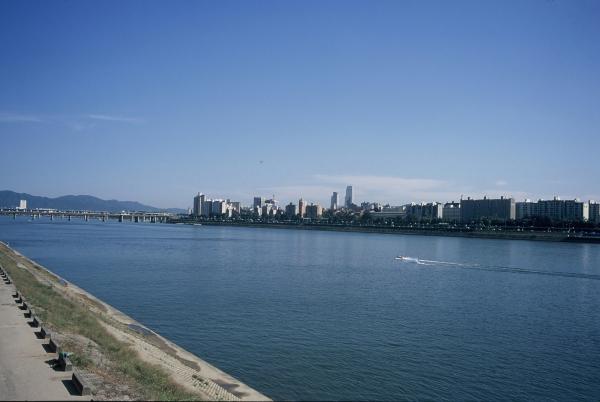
[
  {"x": 126, "y": 359},
  {"x": 497, "y": 235}
]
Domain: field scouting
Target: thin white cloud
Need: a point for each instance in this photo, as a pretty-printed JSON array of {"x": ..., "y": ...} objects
[
  {"x": 74, "y": 122},
  {"x": 501, "y": 183},
  {"x": 105, "y": 117},
  {"x": 6, "y": 117}
]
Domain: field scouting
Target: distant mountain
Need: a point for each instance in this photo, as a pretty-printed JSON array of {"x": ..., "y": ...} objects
[{"x": 10, "y": 199}]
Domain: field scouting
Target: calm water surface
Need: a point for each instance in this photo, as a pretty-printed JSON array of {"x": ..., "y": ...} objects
[{"x": 322, "y": 315}]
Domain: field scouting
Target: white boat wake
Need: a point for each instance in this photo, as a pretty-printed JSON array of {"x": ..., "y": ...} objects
[{"x": 496, "y": 268}]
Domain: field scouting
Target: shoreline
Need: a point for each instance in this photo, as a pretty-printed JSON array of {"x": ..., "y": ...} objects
[
  {"x": 508, "y": 235},
  {"x": 184, "y": 368}
]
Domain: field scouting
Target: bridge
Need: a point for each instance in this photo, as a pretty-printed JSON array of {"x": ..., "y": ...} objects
[{"x": 137, "y": 217}]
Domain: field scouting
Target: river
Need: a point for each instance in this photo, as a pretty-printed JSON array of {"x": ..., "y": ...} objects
[{"x": 329, "y": 315}]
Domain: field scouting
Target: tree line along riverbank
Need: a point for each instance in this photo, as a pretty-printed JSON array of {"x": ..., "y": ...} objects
[{"x": 495, "y": 233}]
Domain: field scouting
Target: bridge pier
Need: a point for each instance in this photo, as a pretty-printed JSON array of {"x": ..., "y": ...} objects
[
  {"x": 51, "y": 217},
  {"x": 120, "y": 218},
  {"x": 69, "y": 218},
  {"x": 86, "y": 217},
  {"x": 14, "y": 216}
]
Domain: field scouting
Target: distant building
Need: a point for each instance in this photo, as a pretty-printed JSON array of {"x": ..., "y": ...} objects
[
  {"x": 219, "y": 207},
  {"x": 22, "y": 205},
  {"x": 451, "y": 212},
  {"x": 206, "y": 209},
  {"x": 555, "y": 209},
  {"x": 198, "y": 200},
  {"x": 314, "y": 211},
  {"x": 594, "y": 212},
  {"x": 235, "y": 206},
  {"x": 389, "y": 213},
  {"x": 552, "y": 209},
  {"x": 258, "y": 202},
  {"x": 526, "y": 209},
  {"x": 500, "y": 209},
  {"x": 301, "y": 208},
  {"x": 424, "y": 212},
  {"x": 348, "y": 199},
  {"x": 370, "y": 206},
  {"x": 269, "y": 207},
  {"x": 291, "y": 210},
  {"x": 334, "y": 201},
  {"x": 576, "y": 210}
]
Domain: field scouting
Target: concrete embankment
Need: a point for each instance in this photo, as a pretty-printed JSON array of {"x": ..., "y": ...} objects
[
  {"x": 118, "y": 357},
  {"x": 24, "y": 371}
]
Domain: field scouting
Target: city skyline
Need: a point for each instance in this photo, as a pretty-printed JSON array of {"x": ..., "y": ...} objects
[{"x": 408, "y": 101}]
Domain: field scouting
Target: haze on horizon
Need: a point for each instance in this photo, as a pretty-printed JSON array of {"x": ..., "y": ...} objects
[{"x": 404, "y": 100}]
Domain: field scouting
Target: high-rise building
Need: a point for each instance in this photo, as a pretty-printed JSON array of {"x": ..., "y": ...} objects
[
  {"x": 500, "y": 209},
  {"x": 258, "y": 202},
  {"x": 424, "y": 212},
  {"x": 198, "y": 200},
  {"x": 576, "y": 210},
  {"x": 267, "y": 209},
  {"x": 301, "y": 208},
  {"x": 451, "y": 212},
  {"x": 314, "y": 211},
  {"x": 206, "y": 209},
  {"x": 22, "y": 205},
  {"x": 334, "y": 201},
  {"x": 554, "y": 209},
  {"x": 526, "y": 209},
  {"x": 348, "y": 198},
  {"x": 290, "y": 210},
  {"x": 594, "y": 212},
  {"x": 219, "y": 207},
  {"x": 235, "y": 206}
]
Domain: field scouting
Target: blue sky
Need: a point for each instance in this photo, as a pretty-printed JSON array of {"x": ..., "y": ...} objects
[{"x": 407, "y": 101}]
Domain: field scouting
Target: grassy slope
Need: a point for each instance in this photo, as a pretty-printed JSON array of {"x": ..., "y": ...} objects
[{"x": 67, "y": 317}]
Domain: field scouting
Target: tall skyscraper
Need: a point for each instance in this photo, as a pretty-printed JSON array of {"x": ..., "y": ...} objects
[
  {"x": 198, "y": 201},
  {"x": 314, "y": 211},
  {"x": 301, "y": 208},
  {"x": 258, "y": 202},
  {"x": 348, "y": 199},
  {"x": 290, "y": 211},
  {"x": 334, "y": 201}
]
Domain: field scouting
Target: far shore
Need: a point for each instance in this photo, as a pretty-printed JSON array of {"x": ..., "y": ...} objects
[{"x": 498, "y": 235}]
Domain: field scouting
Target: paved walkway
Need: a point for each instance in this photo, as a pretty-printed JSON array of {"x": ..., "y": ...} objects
[{"x": 24, "y": 373}]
